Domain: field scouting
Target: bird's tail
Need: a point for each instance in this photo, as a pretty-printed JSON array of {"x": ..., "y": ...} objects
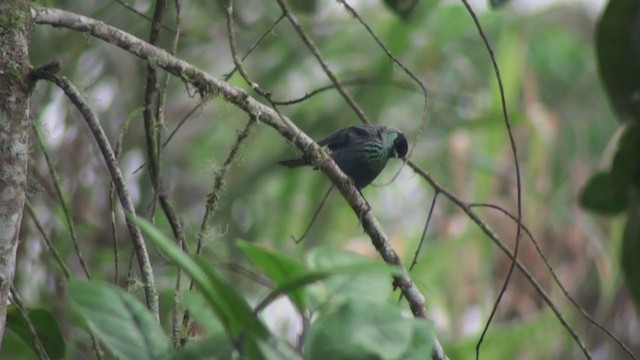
[{"x": 293, "y": 163}]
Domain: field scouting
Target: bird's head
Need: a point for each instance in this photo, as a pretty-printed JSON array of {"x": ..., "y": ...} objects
[{"x": 400, "y": 146}]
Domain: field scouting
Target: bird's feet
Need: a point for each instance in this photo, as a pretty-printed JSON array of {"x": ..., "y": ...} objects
[{"x": 367, "y": 208}]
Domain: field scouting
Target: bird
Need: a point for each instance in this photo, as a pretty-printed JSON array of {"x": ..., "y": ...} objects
[{"x": 361, "y": 151}]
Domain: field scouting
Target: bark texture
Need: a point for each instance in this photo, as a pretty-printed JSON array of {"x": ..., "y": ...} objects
[{"x": 14, "y": 136}]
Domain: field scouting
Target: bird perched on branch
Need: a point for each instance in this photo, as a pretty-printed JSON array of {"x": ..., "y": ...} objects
[{"x": 361, "y": 151}]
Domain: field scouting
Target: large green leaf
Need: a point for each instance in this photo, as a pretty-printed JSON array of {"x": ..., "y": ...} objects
[
  {"x": 402, "y": 8},
  {"x": 626, "y": 163},
  {"x": 601, "y": 195},
  {"x": 125, "y": 326},
  {"x": 367, "y": 330},
  {"x": 278, "y": 268},
  {"x": 46, "y": 327},
  {"x": 618, "y": 51},
  {"x": 229, "y": 306},
  {"x": 372, "y": 285}
]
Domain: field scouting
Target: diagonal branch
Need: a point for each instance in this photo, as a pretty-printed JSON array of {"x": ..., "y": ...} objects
[{"x": 258, "y": 111}]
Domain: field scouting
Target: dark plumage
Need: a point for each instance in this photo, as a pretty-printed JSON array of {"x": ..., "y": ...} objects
[{"x": 361, "y": 151}]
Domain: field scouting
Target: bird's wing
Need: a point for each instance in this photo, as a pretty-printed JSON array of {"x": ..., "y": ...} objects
[{"x": 344, "y": 137}]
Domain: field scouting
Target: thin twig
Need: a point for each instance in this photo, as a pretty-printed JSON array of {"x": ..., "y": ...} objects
[
  {"x": 325, "y": 67},
  {"x": 255, "y": 45},
  {"x": 226, "y": 77},
  {"x": 142, "y": 15},
  {"x": 213, "y": 198},
  {"x": 514, "y": 151},
  {"x": 496, "y": 240},
  {"x": 234, "y": 53},
  {"x": 56, "y": 255},
  {"x": 63, "y": 266},
  {"x": 37, "y": 343},
  {"x": 556, "y": 279},
  {"x": 348, "y": 82},
  {"x": 151, "y": 120},
  {"x": 315, "y": 216},
  {"x": 139, "y": 246},
  {"x": 414, "y": 261},
  {"x": 112, "y": 201},
  {"x": 175, "y": 316},
  {"x": 63, "y": 203},
  {"x": 425, "y": 92}
]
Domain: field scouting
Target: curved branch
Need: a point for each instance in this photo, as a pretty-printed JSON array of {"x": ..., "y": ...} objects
[{"x": 139, "y": 246}]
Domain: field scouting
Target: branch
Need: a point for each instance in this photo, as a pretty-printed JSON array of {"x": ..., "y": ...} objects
[
  {"x": 496, "y": 240},
  {"x": 139, "y": 246}
]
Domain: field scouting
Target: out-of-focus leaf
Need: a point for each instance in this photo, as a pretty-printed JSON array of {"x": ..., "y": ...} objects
[
  {"x": 368, "y": 285},
  {"x": 310, "y": 277},
  {"x": 46, "y": 326},
  {"x": 501, "y": 342},
  {"x": 618, "y": 52},
  {"x": 224, "y": 300},
  {"x": 498, "y": 3},
  {"x": 630, "y": 250},
  {"x": 365, "y": 330},
  {"x": 402, "y": 8},
  {"x": 276, "y": 349},
  {"x": 278, "y": 268},
  {"x": 228, "y": 305},
  {"x": 304, "y": 6},
  {"x": 14, "y": 347},
  {"x": 601, "y": 195},
  {"x": 119, "y": 320},
  {"x": 626, "y": 163}
]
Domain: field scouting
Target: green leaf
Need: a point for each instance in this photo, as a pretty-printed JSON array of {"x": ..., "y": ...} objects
[
  {"x": 618, "y": 52},
  {"x": 372, "y": 285},
  {"x": 278, "y": 268},
  {"x": 498, "y": 3},
  {"x": 364, "y": 330},
  {"x": 276, "y": 349},
  {"x": 421, "y": 342},
  {"x": 402, "y": 8},
  {"x": 304, "y": 6},
  {"x": 601, "y": 195},
  {"x": 202, "y": 314},
  {"x": 14, "y": 347},
  {"x": 626, "y": 164},
  {"x": 629, "y": 257},
  {"x": 229, "y": 306},
  {"x": 311, "y": 277},
  {"x": 46, "y": 327},
  {"x": 125, "y": 326}
]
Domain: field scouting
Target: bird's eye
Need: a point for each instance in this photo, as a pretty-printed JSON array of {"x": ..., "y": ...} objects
[{"x": 400, "y": 145}]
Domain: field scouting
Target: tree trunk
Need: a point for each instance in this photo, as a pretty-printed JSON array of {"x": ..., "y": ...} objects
[{"x": 14, "y": 137}]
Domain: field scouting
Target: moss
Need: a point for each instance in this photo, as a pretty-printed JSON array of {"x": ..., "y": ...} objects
[{"x": 11, "y": 20}]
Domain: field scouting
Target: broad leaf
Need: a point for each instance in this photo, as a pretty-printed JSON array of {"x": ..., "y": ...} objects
[
  {"x": 46, "y": 327},
  {"x": 124, "y": 325},
  {"x": 601, "y": 195},
  {"x": 629, "y": 257},
  {"x": 278, "y": 268},
  {"x": 618, "y": 50},
  {"x": 365, "y": 330}
]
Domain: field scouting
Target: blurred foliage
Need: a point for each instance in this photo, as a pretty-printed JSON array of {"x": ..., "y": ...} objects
[
  {"x": 612, "y": 192},
  {"x": 562, "y": 123}
]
